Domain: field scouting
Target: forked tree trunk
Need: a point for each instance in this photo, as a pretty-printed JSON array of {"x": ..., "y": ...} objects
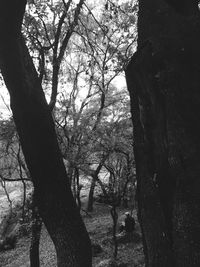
[
  {"x": 95, "y": 180},
  {"x": 37, "y": 135},
  {"x": 102, "y": 185},
  {"x": 163, "y": 80}
]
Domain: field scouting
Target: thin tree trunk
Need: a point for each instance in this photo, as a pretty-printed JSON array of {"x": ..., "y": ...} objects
[
  {"x": 78, "y": 188},
  {"x": 95, "y": 180},
  {"x": 102, "y": 186},
  {"x": 37, "y": 135},
  {"x": 3, "y": 184},
  {"x": 91, "y": 195},
  {"x": 114, "y": 215}
]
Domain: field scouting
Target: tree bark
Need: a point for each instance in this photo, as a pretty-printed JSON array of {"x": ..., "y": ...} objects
[
  {"x": 114, "y": 216},
  {"x": 95, "y": 180},
  {"x": 102, "y": 185},
  {"x": 91, "y": 195},
  {"x": 78, "y": 188},
  {"x": 36, "y": 228},
  {"x": 163, "y": 81},
  {"x": 37, "y": 135}
]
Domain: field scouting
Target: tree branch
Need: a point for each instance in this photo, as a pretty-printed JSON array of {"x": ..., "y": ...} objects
[{"x": 58, "y": 58}]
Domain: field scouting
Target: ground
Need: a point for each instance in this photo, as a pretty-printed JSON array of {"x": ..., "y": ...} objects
[{"x": 99, "y": 226}]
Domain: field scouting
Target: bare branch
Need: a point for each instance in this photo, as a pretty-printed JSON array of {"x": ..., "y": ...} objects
[{"x": 58, "y": 58}]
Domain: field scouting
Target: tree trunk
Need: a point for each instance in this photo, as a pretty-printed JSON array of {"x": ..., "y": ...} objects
[
  {"x": 91, "y": 195},
  {"x": 163, "y": 80},
  {"x": 114, "y": 216},
  {"x": 78, "y": 188},
  {"x": 35, "y": 236},
  {"x": 37, "y": 135},
  {"x": 101, "y": 184}
]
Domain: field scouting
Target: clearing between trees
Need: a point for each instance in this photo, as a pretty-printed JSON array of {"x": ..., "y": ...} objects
[{"x": 99, "y": 226}]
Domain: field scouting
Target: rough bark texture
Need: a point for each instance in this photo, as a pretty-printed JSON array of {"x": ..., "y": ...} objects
[
  {"x": 163, "y": 80},
  {"x": 39, "y": 142},
  {"x": 36, "y": 228}
]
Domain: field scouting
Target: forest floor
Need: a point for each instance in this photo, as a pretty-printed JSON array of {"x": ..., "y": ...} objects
[{"x": 99, "y": 226}]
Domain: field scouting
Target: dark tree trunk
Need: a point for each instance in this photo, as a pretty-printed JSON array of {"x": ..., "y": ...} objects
[
  {"x": 37, "y": 135},
  {"x": 95, "y": 179},
  {"x": 91, "y": 195},
  {"x": 101, "y": 184},
  {"x": 78, "y": 188},
  {"x": 35, "y": 236},
  {"x": 163, "y": 80},
  {"x": 114, "y": 215}
]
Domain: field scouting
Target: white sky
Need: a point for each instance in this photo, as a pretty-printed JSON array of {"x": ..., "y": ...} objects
[{"x": 5, "y": 111}]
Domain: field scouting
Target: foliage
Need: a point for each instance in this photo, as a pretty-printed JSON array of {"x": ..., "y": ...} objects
[{"x": 79, "y": 50}]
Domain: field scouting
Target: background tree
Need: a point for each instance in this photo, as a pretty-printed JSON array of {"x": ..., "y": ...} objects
[
  {"x": 13, "y": 169},
  {"x": 89, "y": 70}
]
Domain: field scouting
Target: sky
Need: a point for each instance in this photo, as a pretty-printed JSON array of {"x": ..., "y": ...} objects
[{"x": 5, "y": 111}]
